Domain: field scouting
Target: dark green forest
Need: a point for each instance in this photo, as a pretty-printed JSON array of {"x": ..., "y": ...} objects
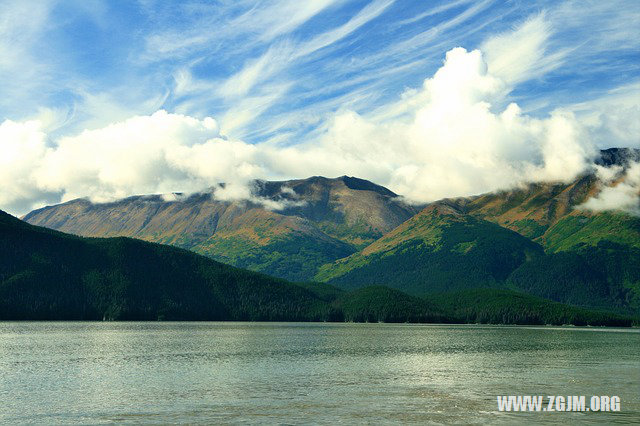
[{"x": 48, "y": 275}]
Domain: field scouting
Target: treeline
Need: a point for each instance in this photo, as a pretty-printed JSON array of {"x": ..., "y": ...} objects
[{"x": 499, "y": 306}]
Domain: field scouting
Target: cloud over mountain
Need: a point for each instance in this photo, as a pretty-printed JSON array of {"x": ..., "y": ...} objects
[
  {"x": 461, "y": 132},
  {"x": 453, "y": 138},
  {"x": 620, "y": 190}
]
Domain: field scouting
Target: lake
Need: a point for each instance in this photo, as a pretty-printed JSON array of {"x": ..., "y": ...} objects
[{"x": 89, "y": 372}]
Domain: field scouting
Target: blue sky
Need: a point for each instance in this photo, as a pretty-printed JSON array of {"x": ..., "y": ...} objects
[
  {"x": 282, "y": 73},
  {"x": 317, "y": 57}
]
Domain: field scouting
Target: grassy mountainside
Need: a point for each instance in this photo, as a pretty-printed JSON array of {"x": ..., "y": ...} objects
[
  {"x": 48, "y": 275},
  {"x": 439, "y": 249},
  {"x": 548, "y": 213},
  {"x": 320, "y": 220}
]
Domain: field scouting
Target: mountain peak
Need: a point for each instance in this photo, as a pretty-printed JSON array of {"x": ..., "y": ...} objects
[
  {"x": 618, "y": 156},
  {"x": 271, "y": 189},
  {"x": 365, "y": 185}
]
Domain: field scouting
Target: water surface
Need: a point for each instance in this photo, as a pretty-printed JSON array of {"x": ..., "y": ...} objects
[{"x": 73, "y": 372}]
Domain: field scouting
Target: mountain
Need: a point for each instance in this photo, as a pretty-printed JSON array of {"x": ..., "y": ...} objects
[
  {"x": 548, "y": 213},
  {"x": 439, "y": 249},
  {"x": 48, "y": 275},
  {"x": 352, "y": 233},
  {"x": 289, "y": 230},
  {"x": 534, "y": 240}
]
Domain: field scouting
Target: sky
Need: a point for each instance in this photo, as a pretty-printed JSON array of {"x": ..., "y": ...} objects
[{"x": 433, "y": 99}]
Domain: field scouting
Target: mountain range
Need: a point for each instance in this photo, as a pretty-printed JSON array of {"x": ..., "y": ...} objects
[
  {"x": 352, "y": 233},
  {"x": 49, "y": 275}
]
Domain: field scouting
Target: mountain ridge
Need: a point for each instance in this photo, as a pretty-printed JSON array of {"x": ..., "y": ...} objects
[
  {"x": 321, "y": 220},
  {"x": 581, "y": 257},
  {"x": 323, "y": 223}
]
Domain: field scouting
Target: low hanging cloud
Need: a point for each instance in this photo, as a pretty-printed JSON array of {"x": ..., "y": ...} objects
[
  {"x": 620, "y": 190},
  {"x": 456, "y": 136}
]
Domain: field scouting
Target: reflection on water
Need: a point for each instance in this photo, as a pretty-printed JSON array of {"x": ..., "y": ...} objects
[{"x": 301, "y": 373}]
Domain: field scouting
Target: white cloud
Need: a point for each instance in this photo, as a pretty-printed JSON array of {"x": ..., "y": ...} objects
[
  {"x": 210, "y": 27},
  {"x": 369, "y": 12},
  {"x": 138, "y": 155},
  {"x": 285, "y": 17},
  {"x": 613, "y": 117},
  {"x": 453, "y": 139},
  {"x": 450, "y": 142},
  {"x": 22, "y": 149},
  {"x": 520, "y": 54},
  {"x": 257, "y": 71},
  {"x": 623, "y": 194}
]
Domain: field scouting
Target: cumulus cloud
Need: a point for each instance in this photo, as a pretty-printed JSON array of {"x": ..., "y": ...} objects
[
  {"x": 23, "y": 147},
  {"x": 452, "y": 139},
  {"x": 141, "y": 154},
  {"x": 160, "y": 153},
  {"x": 620, "y": 190}
]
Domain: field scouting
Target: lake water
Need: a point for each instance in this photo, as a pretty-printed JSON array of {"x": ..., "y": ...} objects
[{"x": 61, "y": 372}]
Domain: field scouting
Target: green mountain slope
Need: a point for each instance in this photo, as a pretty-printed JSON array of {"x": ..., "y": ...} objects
[
  {"x": 442, "y": 249},
  {"x": 48, "y": 275},
  {"x": 605, "y": 276},
  {"x": 590, "y": 259},
  {"x": 439, "y": 249},
  {"x": 549, "y": 213},
  {"x": 318, "y": 220}
]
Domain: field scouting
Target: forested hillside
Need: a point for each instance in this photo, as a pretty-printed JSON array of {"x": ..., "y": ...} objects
[{"x": 48, "y": 275}]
